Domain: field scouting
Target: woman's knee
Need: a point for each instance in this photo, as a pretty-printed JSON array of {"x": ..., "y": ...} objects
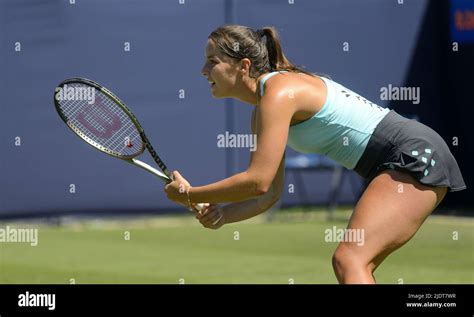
[{"x": 347, "y": 257}]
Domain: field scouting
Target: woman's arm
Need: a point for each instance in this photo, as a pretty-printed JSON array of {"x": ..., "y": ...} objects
[
  {"x": 214, "y": 216},
  {"x": 272, "y": 117},
  {"x": 239, "y": 211}
]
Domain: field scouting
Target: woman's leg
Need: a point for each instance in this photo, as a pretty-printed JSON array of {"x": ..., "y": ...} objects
[{"x": 390, "y": 212}]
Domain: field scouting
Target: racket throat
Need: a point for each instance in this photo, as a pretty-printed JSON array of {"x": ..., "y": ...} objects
[
  {"x": 150, "y": 169},
  {"x": 155, "y": 156}
]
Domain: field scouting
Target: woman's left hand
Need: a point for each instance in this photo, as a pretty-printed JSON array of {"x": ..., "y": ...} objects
[
  {"x": 211, "y": 216},
  {"x": 176, "y": 190}
]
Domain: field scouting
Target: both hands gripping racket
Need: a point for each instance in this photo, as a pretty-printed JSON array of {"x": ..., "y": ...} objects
[{"x": 101, "y": 119}]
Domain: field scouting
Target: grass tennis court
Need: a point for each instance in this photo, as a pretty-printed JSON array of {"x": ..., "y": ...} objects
[{"x": 166, "y": 250}]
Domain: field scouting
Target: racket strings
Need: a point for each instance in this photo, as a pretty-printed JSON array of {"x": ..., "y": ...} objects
[{"x": 103, "y": 123}]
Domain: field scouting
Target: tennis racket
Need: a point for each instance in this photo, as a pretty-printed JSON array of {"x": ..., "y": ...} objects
[{"x": 101, "y": 119}]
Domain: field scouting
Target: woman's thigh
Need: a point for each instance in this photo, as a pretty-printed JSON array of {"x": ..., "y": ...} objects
[{"x": 390, "y": 212}]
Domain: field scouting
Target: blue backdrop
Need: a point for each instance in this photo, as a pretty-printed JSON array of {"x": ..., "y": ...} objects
[{"x": 44, "y": 42}]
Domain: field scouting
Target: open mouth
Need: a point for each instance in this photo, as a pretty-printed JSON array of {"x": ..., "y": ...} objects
[{"x": 211, "y": 83}]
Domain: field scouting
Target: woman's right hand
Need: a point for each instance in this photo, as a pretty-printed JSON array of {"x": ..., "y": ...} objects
[{"x": 211, "y": 216}]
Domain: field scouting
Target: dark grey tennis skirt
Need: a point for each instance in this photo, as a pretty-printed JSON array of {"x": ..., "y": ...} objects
[{"x": 408, "y": 145}]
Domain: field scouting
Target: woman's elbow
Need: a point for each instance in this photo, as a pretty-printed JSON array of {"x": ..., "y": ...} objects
[
  {"x": 262, "y": 187},
  {"x": 259, "y": 183},
  {"x": 260, "y": 191}
]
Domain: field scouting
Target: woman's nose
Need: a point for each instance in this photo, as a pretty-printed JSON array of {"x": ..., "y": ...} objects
[{"x": 204, "y": 71}]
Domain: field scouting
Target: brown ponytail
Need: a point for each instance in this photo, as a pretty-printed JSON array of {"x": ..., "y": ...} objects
[
  {"x": 261, "y": 46},
  {"x": 277, "y": 59}
]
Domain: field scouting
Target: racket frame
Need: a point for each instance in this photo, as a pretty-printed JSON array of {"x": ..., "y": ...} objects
[{"x": 164, "y": 176}]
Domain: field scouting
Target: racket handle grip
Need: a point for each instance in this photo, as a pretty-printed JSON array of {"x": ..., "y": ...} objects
[{"x": 199, "y": 207}]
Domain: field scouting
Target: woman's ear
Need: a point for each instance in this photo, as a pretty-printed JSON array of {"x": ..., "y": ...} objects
[{"x": 245, "y": 64}]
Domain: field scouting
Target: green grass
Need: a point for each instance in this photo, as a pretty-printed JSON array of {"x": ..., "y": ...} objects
[{"x": 165, "y": 250}]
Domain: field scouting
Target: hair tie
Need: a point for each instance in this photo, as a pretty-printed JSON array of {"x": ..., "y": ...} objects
[{"x": 260, "y": 33}]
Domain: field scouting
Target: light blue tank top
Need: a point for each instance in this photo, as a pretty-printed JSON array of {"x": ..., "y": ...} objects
[{"x": 341, "y": 130}]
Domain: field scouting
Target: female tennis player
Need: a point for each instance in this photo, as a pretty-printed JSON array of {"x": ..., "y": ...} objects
[{"x": 408, "y": 166}]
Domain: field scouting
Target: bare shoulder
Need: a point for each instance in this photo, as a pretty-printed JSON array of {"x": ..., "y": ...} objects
[
  {"x": 293, "y": 84},
  {"x": 280, "y": 87},
  {"x": 306, "y": 93}
]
